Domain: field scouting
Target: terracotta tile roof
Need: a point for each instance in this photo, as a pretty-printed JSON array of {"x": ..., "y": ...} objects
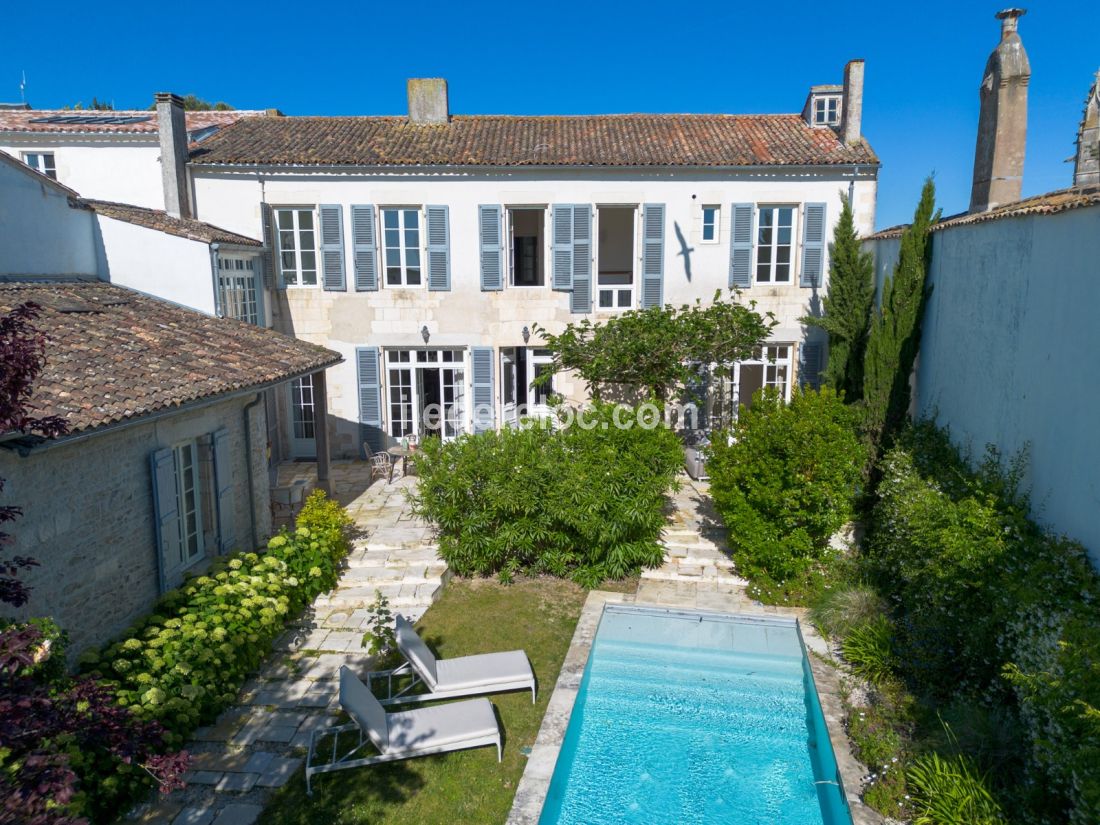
[
  {"x": 596, "y": 140},
  {"x": 1046, "y": 204},
  {"x": 22, "y": 120},
  {"x": 114, "y": 354},
  {"x": 160, "y": 220}
]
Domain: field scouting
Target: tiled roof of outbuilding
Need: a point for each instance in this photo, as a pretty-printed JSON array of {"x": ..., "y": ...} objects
[
  {"x": 23, "y": 120},
  {"x": 160, "y": 220},
  {"x": 496, "y": 140},
  {"x": 114, "y": 354}
]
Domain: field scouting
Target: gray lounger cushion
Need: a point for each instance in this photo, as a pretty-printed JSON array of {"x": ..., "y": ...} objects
[
  {"x": 483, "y": 670},
  {"x": 441, "y": 725},
  {"x": 368, "y": 713}
]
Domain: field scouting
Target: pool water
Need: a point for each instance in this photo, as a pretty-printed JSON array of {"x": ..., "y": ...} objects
[{"x": 689, "y": 717}]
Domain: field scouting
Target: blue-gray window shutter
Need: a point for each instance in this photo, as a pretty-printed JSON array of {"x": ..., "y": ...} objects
[
  {"x": 439, "y": 248},
  {"x": 367, "y": 363},
  {"x": 582, "y": 258},
  {"x": 365, "y": 248},
  {"x": 223, "y": 490},
  {"x": 492, "y": 251},
  {"x": 741, "y": 245},
  {"x": 332, "y": 246},
  {"x": 813, "y": 245},
  {"x": 562, "y": 236},
  {"x": 810, "y": 368},
  {"x": 481, "y": 383},
  {"x": 273, "y": 273},
  {"x": 166, "y": 515},
  {"x": 653, "y": 254}
]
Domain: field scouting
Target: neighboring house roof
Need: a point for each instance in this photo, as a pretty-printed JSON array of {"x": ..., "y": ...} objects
[
  {"x": 113, "y": 354},
  {"x": 123, "y": 122},
  {"x": 596, "y": 140},
  {"x": 160, "y": 220},
  {"x": 1046, "y": 204}
]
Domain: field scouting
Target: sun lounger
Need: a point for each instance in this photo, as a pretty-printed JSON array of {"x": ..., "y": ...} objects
[
  {"x": 418, "y": 732},
  {"x": 451, "y": 678}
]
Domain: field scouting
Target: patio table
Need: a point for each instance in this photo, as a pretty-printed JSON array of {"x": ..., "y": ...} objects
[{"x": 403, "y": 453}]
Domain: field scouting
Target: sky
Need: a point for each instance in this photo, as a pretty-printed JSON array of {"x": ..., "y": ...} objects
[{"x": 920, "y": 110}]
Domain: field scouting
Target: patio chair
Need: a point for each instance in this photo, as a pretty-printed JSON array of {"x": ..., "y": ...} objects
[
  {"x": 451, "y": 678},
  {"x": 404, "y": 735},
  {"x": 381, "y": 463}
]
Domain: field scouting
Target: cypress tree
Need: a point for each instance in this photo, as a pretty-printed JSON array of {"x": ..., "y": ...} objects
[
  {"x": 846, "y": 308},
  {"x": 895, "y": 327}
]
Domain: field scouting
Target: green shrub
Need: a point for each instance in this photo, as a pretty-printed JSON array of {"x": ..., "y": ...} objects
[
  {"x": 868, "y": 648},
  {"x": 187, "y": 661},
  {"x": 784, "y": 478},
  {"x": 585, "y": 503},
  {"x": 950, "y": 791},
  {"x": 990, "y": 606},
  {"x": 840, "y": 608}
]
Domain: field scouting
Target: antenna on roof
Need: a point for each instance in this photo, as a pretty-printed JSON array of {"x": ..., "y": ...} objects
[{"x": 23, "y": 88}]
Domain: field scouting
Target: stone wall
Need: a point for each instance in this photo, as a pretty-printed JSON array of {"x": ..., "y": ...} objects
[{"x": 89, "y": 517}]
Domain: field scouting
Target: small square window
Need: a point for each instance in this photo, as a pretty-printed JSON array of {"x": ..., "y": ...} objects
[
  {"x": 826, "y": 111},
  {"x": 710, "y": 224},
  {"x": 42, "y": 162}
]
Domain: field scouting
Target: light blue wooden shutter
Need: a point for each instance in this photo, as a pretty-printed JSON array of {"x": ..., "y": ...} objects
[
  {"x": 810, "y": 368},
  {"x": 813, "y": 245},
  {"x": 741, "y": 245},
  {"x": 481, "y": 383},
  {"x": 365, "y": 248},
  {"x": 492, "y": 252},
  {"x": 223, "y": 490},
  {"x": 370, "y": 396},
  {"x": 439, "y": 248},
  {"x": 166, "y": 515},
  {"x": 273, "y": 273},
  {"x": 653, "y": 254},
  {"x": 562, "y": 253},
  {"x": 332, "y": 247},
  {"x": 582, "y": 259}
]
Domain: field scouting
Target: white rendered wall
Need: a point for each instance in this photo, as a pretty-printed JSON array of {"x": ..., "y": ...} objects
[
  {"x": 125, "y": 170},
  {"x": 1009, "y": 352},
  {"x": 466, "y": 316},
  {"x": 40, "y": 234},
  {"x": 166, "y": 266}
]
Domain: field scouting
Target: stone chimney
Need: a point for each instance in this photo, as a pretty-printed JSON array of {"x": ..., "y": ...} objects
[
  {"x": 1002, "y": 124},
  {"x": 172, "y": 126},
  {"x": 1086, "y": 166},
  {"x": 428, "y": 100},
  {"x": 852, "y": 111}
]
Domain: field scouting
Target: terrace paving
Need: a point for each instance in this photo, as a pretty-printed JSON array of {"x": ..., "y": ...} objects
[{"x": 257, "y": 745}]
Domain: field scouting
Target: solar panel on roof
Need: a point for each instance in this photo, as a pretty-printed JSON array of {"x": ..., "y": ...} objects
[{"x": 99, "y": 120}]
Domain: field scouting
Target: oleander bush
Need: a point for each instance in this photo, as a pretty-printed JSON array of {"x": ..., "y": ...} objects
[
  {"x": 989, "y": 607},
  {"x": 785, "y": 478},
  {"x": 187, "y": 661},
  {"x": 583, "y": 502}
]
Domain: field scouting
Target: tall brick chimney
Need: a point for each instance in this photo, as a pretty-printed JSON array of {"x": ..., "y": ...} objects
[
  {"x": 1002, "y": 124},
  {"x": 1086, "y": 166},
  {"x": 852, "y": 112},
  {"x": 428, "y": 100},
  {"x": 172, "y": 126}
]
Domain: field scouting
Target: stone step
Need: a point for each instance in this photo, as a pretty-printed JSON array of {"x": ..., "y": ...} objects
[
  {"x": 662, "y": 574},
  {"x": 399, "y": 595}
]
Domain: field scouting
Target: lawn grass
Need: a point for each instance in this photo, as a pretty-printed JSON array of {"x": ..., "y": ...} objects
[{"x": 471, "y": 616}]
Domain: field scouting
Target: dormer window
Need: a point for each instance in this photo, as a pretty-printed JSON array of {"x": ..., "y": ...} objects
[{"x": 826, "y": 110}]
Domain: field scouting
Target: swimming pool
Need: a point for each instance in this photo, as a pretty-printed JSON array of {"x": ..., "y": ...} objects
[{"x": 686, "y": 717}]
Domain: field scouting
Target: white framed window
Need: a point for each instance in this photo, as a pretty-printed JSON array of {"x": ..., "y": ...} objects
[
  {"x": 775, "y": 244},
  {"x": 711, "y": 223},
  {"x": 303, "y": 407},
  {"x": 42, "y": 161},
  {"x": 238, "y": 288},
  {"x": 826, "y": 110},
  {"x": 297, "y": 236},
  {"x": 615, "y": 256},
  {"x": 770, "y": 367},
  {"x": 189, "y": 502},
  {"x": 526, "y": 246},
  {"x": 401, "y": 238}
]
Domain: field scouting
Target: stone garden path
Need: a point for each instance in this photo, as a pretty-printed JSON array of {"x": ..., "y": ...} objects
[{"x": 259, "y": 743}]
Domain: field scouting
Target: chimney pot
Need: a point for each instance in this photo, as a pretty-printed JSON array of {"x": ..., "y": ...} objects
[
  {"x": 851, "y": 126},
  {"x": 172, "y": 129},
  {"x": 1010, "y": 20},
  {"x": 428, "y": 100}
]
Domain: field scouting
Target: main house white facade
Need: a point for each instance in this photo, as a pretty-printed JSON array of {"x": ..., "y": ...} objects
[{"x": 429, "y": 276}]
